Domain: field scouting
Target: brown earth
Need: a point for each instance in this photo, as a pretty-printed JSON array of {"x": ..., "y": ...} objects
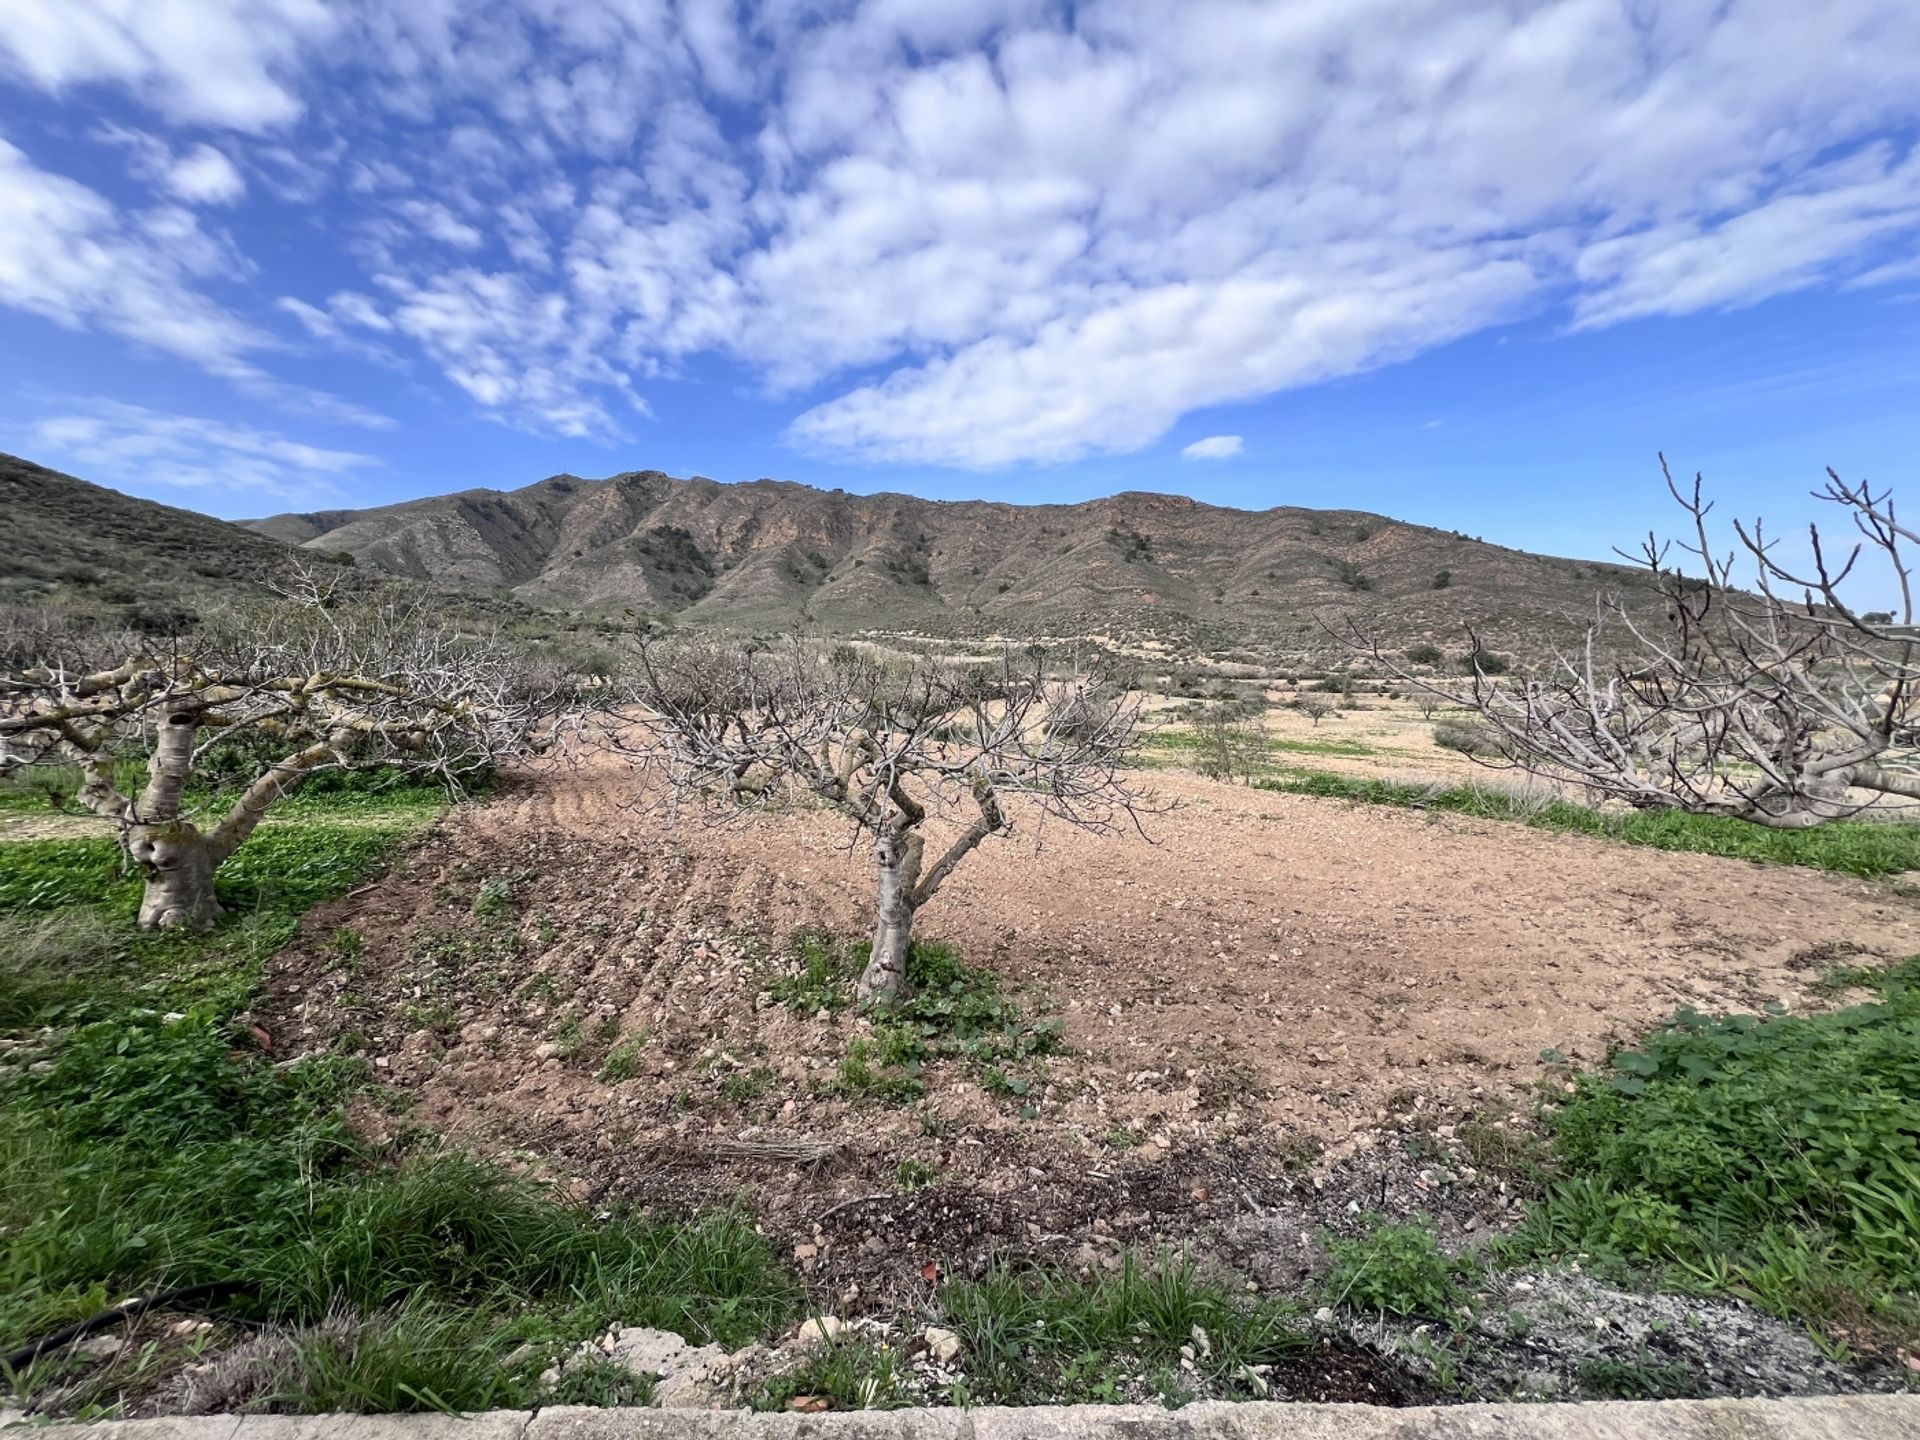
[{"x": 1275, "y": 978}]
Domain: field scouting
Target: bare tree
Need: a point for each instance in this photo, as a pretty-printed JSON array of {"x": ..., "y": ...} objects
[
  {"x": 294, "y": 688},
  {"x": 1232, "y": 744},
  {"x": 1754, "y": 689},
  {"x": 1426, "y": 702},
  {"x": 1316, "y": 706},
  {"x": 889, "y": 744}
]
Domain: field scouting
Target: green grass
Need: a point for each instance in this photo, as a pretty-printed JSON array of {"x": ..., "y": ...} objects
[
  {"x": 146, "y": 1142},
  {"x": 1033, "y": 1336},
  {"x": 1849, "y": 847},
  {"x": 1776, "y": 1157},
  {"x": 1182, "y": 742},
  {"x": 949, "y": 1011}
]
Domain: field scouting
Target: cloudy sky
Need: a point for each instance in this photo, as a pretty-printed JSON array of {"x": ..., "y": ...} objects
[{"x": 1468, "y": 263}]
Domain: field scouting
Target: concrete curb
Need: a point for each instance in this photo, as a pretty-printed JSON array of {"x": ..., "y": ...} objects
[{"x": 1841, "y": 1417}]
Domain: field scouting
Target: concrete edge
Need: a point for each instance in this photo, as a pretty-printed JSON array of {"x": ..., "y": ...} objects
[{"x": 1839, "y": 1417}]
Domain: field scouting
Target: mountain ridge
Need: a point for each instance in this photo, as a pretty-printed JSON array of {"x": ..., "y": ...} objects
[{"x": 774, "y": 552}]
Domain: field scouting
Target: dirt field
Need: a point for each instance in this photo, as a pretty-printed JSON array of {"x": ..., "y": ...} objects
[{"x": 1275, "y": 977}]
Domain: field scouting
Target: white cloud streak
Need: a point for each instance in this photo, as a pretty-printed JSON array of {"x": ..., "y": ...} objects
[
  {"x": 68, "y": 254},
  {"x": 1214, "y": 447},
  {"x": 205, "y": 176},
  {"x": 142, "y": 447}
]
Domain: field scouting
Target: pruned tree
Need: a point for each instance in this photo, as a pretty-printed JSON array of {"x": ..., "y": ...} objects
[
  {"x": 1750, "y": 688},
  {"x": 292, "y": 688},
  {"x": 892, "y": 745}
]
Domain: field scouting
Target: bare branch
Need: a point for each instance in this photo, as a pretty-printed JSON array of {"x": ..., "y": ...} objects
[{"x": 1780, "y": 704}]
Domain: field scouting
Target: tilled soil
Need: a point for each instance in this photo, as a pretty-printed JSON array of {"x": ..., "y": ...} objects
[{"x": 1277, "y": 1013}]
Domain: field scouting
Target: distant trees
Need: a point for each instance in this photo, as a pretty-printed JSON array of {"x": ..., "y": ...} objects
[
  {"x": 895, "y": 745},
  {"x": 1755, "y": 690},
  {"x": 279, "y": 693}
]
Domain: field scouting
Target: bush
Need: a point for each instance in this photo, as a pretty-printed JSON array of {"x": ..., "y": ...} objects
[
  {"x": 1398, "y": 1269},
  {"x": 1472, "y": 739},
  {"x": 1423, "y": 654}
]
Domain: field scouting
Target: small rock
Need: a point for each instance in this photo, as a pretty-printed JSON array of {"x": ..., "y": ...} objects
[
  {"x": 942, "y": 1345},
  {"x": 819, "y": 1330}
]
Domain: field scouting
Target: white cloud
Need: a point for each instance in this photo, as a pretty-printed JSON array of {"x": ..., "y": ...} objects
[
  {"x": 134, "y": 445},
  {"x": 982, "y": 232},
  {"x": 69, "y": 255},
  {"x": 220, "y": 62},
  {"x": 1214, "y": 447},
  {"x": 205, "y": 176}
]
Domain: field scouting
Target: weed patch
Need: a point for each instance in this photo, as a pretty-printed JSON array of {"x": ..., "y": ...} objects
[
  {"x": 950, "y": 1012},
  {"x": 1153, "y": 1328},
  {"x": 1395, "y": 1269},
  {"x": 1775, "y": 1156}
]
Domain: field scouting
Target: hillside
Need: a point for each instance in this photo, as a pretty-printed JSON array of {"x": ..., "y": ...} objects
[
  {"x": 71, "y": 542},
  {"x": 769, "y": 553}
]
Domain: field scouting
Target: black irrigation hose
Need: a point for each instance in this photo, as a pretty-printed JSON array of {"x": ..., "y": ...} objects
[{"x": 132, "y": 1310}]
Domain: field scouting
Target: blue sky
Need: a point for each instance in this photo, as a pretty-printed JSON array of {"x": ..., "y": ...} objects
[{"x": 1469, "y": 264}]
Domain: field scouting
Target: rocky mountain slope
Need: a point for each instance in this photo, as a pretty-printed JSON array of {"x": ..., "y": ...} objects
[
  {"x": 772, "y": 554},
  {"x": 71, "y": 542}
]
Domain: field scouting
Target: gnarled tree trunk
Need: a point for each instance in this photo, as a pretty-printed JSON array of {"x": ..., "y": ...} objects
[
  {"x": 172, "y": 853},
  {"x": 178, "y": 863},
  {"x": 897, "y": 858}
]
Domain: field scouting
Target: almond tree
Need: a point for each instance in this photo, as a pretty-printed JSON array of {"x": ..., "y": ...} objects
[
  {"x": 301, "y": 687},
  {"x": 1755, "y": 690},
  {"x": 890, "y": 745}
]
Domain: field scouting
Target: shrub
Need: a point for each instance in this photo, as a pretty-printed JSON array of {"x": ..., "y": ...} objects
[
  {"x": 1442, "y": 579},
  {"x": 1398, "y": 1269},
  {"x": 1423, "y": 654},
  {"x": 1468, "y": 739}
]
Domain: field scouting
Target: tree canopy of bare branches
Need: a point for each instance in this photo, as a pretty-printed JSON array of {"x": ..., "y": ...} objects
[
  {"x": 889, "y": 743},
  {"x": 1756, "y": 690},
  {"x": 296, "y": 687}
]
